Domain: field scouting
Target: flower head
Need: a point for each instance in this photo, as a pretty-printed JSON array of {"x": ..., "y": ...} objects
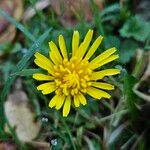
[{"x": 72, "y": 78}]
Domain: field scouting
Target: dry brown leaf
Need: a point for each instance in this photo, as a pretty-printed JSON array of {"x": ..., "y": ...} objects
[
  {"x": 7, "y": 145},
  {"x": 73, "y": 10},
  {"x": 15, "y": 9},
  {"x": 20, "y": 116}
]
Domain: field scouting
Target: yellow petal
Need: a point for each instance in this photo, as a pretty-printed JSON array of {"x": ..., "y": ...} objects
[
  {"x": 82, "y": 99},
  {"x": 54, "y": 53},
  {"x": 102, "y": 85},
  {"x": 105, "y": 61},
  {"x": 53, "y": 101},
  {"x": 54, "y": 58},
  {"x": 76, "y": 101},
  {"x": 42, "y": 77},
  {"x": 75, "y": 42},
  {"x": 43, "y": 62},
  {"x": 67, "y": 105},
  {"x": 85, "y": 44},
  {"x": 62, "y": 46},
  {"x": 60, "y": 101},
  {"x": 100, "y": 74},
  {"x": 43, "y": 66},
  {"x": 47, "y": 87},
  {"x": 97, "y": 93},
  {"x": 94, "y": 46},
  {"x": 104, "y": 55}
]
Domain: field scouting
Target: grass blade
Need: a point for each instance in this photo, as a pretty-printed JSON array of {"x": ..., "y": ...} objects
[
  {"x": 17, "y": 25},
  {"x": 27, "y": 72},
  {"x": 21, "y": 64},
  {"x": 130, "y": 97}
]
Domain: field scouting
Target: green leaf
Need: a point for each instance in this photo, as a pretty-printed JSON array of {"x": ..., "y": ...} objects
[
  {"x": 136, "y": 28},
  {"x": 110, "y": 9},
  {"x": 127, "y": 50},
  {"x": 79, "y": 135},
  {"x": 27, "y": 72},
  {"x": 147, "y": 48},
  {"x": 16, "y": 24},
  {"x": 130, "y": 97},
  {"x": 112, "y": 41}
]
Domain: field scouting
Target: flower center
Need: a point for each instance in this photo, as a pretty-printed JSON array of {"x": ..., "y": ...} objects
[{"x": 72, "y": 77}]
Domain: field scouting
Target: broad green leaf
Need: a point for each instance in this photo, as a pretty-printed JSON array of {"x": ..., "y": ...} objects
[
  {"x": 127, "y": 50},
  {"x": 135, "y": 28},
  {"x": 112, "y": 41}
]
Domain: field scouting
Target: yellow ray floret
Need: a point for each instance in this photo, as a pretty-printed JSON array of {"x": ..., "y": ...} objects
[
  {"x": 97, "y": 93},
  {"x": 62, "y": 46},
  {"x": 101, "y": 85},
  {"x": 84, "y": 45},
  {"x": 76, "y": 101},
  {"x": 67, "y": 106},
  {"x": 47, "y": 87},
  {"x": 54, "y": 53},
  {"x": 101, "y": 74},
  {"x": 75, "y": 42},
  {"x": 42, "y": 77},
  {"x": 72, "y": 78},
  {"x": 94, "y": 46}
]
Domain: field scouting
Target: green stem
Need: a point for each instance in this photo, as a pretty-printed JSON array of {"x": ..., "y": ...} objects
[
  {"x": 68, "y": 131},
  {"x": 137, "y": 70}
]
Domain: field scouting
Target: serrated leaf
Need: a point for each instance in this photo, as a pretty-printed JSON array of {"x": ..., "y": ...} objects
[
  {"x": 135, "y": 28},
  {"x": 127, "y": 50}
]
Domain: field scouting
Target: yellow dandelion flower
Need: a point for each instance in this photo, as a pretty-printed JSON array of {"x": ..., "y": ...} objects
[{"x": 72, "y": 78}]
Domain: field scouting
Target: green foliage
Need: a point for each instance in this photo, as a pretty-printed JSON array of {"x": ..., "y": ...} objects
[
  {"x": 27, "y": 72},
  {"x": 130, "y": 97},
  {"x": 110, "y": 13},
  {"x": 135, "y": 28},
  {"x": 127, "y": 50},
  {"x": 22, "y": 63},
  {"x": 114, "y": 8},
  {"x": 104, "y": 124}
]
